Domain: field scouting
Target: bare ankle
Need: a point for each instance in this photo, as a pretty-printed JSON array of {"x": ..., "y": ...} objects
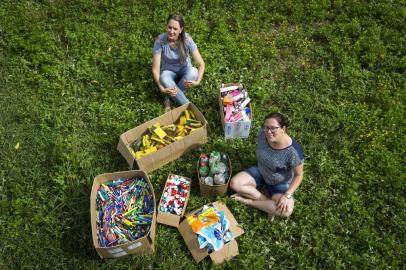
[
  {"x": 167, "y": 104},
  {"x": 240, "y": 198}
]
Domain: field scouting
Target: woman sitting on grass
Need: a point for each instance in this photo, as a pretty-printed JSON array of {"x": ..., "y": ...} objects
[
  {"x": 172, "y": 69},
  {"x": 279, "y": 169}
]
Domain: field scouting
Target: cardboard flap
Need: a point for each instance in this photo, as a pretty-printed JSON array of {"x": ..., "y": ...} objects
[
  {"x": 139, "y": 246},
  {"x": 153, "y": 226},
  {"x": 93, "y": 212},
  {"x": 198, "y": 114},
  {"x": 146, "y": 162},
  {"x": 177, "y": 147},
  {"x": 221, "y": 110},
  {"x": 122, "y": 148},
  {"x": 191, "y": 241},
  {"x": 235, "y": 229},
  {"x": 228, "y": 251},
  {"x": 168, "y": 219},
  {"x": 177, "y": 112}
]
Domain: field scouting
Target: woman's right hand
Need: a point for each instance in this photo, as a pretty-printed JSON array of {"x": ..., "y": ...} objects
[{"x": 170, "y": 91}]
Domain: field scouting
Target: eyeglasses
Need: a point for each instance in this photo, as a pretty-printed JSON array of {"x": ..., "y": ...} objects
[{"x": 272, "y": 129}]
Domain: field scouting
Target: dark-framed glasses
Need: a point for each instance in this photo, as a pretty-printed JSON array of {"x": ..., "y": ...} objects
[{"x": 272, "y": 129}]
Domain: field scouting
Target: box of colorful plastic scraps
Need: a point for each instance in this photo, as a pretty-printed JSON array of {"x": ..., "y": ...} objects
[
  {"x": 235, "y": 110},
  {"x": 163, "y": 139},
  {"x": 173, "y": 203},
  {"x": 214, "y": 173},
  {"x": 211, "y": 231},
  {"x": 123, "y": 215}
]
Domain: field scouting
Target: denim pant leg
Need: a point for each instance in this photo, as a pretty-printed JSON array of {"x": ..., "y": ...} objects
[
  {"x": 180, "y": 97},
  {"x": 278, "y": 189},
  {"x": 189, "y": 74},
  {"x": 168, "y": 79}
]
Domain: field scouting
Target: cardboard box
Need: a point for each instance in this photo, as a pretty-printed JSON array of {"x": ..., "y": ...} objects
[
  {"x": 215, "y": 190},
  {"x": 142, "y": 246},
  {"x": 172, "y": 219},
  {"x": 227, "y": 252},
  {"x": 170, "y": 152},
  {"x": 234, "y": 130}
]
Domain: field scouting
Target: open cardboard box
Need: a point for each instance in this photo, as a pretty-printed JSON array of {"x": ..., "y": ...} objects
[
  {"x": 234, "y": 130},
  {"x": 227, "y": 252},
  {"x": 141, "y": 246},
  {"x": 172, "y": 219},
  {"x": 215, "y": 190},
  {"x": 157, "y": 159}
]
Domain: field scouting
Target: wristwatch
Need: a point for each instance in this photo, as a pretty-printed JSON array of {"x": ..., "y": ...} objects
[{"x": 288, "y": 195}]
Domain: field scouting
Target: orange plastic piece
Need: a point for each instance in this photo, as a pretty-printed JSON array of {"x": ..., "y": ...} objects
[
  {"x": 205, "y": 219},
  {"x": 228, "y": 100}
]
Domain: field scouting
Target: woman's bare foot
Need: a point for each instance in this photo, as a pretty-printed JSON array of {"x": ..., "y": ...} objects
[{"x": 239, "y": 198}]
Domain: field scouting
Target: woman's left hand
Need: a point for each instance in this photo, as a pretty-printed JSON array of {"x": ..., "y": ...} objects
[
  {"x": 282, "y": 204},
  {"x": 190, "y": 83}
]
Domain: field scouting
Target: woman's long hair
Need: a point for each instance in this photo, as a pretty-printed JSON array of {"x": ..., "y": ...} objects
[{"x": 182, "y": 36}]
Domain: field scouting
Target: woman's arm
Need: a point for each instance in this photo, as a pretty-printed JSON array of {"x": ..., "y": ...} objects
[
  {"x": 283, "y": 202},
  {"x": 156, "y": 70},
  {"x": 200, "y": 69},
  {"x": 200, "y": 65},
  {"x": 297, "y": 178}
]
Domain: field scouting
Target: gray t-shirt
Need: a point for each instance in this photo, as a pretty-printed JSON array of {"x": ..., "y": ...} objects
[
  {"x": 170, "y": 57},
  {"x": 276, "y": 165}
]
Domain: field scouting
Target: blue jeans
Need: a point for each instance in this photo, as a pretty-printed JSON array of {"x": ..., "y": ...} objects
[
  {"x": 259, "y": 180},
  {"x": 169, "y": 79}
]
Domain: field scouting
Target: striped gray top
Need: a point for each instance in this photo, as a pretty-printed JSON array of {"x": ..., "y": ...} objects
[{"x": 276, "y": 165}]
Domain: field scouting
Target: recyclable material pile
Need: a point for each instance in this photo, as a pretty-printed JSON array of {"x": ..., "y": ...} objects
[
  {"x": 159, "y": 136},
  {"x": 124, "y": 211},
  {"x": 212, "y": 228},
  {"x": 174, "y": 195},
  {"x": 214, "y": 169},
  {"x": 235, "y": 101}
]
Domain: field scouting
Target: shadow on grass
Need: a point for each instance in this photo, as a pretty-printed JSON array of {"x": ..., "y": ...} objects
[{"x": 77, "y": 239}]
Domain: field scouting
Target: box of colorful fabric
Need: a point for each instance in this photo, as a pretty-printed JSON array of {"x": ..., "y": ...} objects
[{"x": 211, "y": 231}]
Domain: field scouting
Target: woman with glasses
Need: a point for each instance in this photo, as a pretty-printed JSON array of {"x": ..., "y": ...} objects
[
  {"x": 279, "y": 170},
  {"x": 172, "y": 69}
]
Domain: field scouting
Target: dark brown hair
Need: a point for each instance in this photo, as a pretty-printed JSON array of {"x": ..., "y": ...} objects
[
  {"x": 280, "y": 118},
  {"x": 182, "y": 36}
]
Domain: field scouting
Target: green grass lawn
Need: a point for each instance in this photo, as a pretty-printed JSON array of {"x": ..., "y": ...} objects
[{"x": 74, "y": 75}]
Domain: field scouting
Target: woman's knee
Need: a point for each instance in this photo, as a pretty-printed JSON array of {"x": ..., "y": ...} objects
[
  {"x": 234, "y": 183},
  {"x": 191, "y": 74},
  {"x": 239, "y": 180},
  {"x": 167, "y": 79}
]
